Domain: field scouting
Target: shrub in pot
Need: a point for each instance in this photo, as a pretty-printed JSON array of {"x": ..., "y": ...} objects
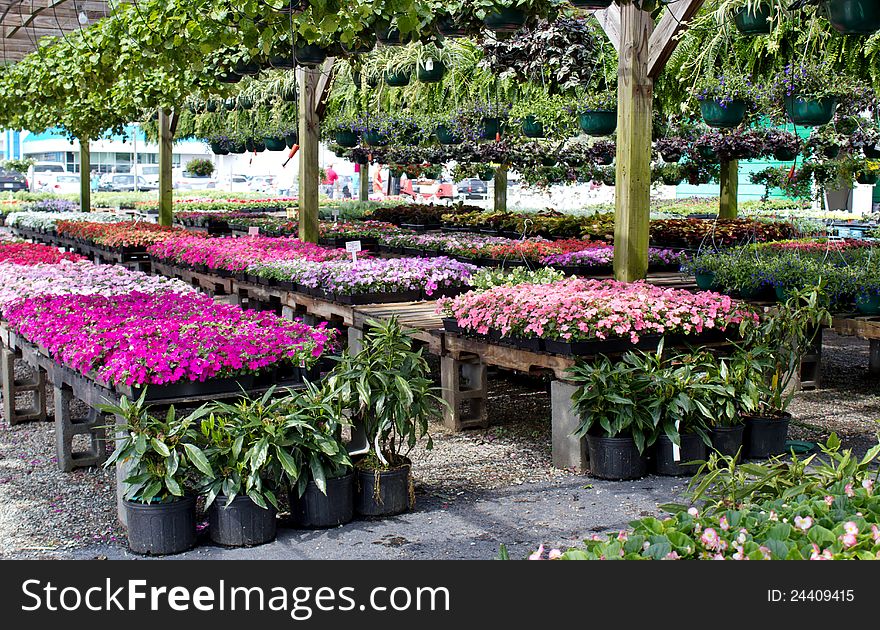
[
  {"x": 159, "y": 453},
  {"x": 770, "y": 356},
  {"x": 617, "y": 426},
  {"x": 322, "y": 488},
  {"x": 387, "y": 389}
]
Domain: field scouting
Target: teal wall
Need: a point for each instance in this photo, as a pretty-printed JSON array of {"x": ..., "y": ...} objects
[{"x": 747, "y": 190}]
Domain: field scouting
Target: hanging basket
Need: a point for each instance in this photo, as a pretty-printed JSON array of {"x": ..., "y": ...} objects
[
  {"x": 719, "y": 116},
  {"x": 810, "y": 112},
  {"x": 447, "y": 136},
  {"x": 229, "y": 77},
  {"x": 434, "y": 75},
  {"x": 250, "y": 68},
  {"x": 375, "y": 139},
  {"x": 211, "y": 106},
  {"x": 291, "y": 139},
  {"x": 281, "y": 62},
  {"x": 671, "y": 155},
  {"x": 245, "y": 102},
  {"x": 853, "y": 17},
  {"x": 707, "y": 153},
  {"x": 219, "y": 149},
  {"x": 490, "y": 128},
  {"x": 598, "y": 122},
  {"x": 449, "y": 26},
  {"x": 400, "y": 78},
  {"x": 346, "y": 138},
  {"x": 487, "y": 174},
  {"x": 254, "y": 146},
  {"x": 274, "y": 144},
  {"x": 229, "y": 104},
  {"x": 237, "y": 148},
  {"x": 869, "y": 178},
  {"x": 507, "y": 20},
  {"x": 389, "y": 36},
  {"x": 591, "y": 4},
  {"x": 309, "y": 55},
  {"x": 785, "y": 154},
  {"x": 532, "y": 127},
  {"x": 757, "y": 23}
]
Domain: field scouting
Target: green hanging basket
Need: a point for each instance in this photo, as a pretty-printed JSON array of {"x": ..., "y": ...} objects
[
  {"x": 254, "y": 146},
  {"x": 853, "y": 17},
  {"x": 447, "y": 136},
  {"x": 810, "y": 112},
  {"x": 723, "y": 116},
  {"x": 434, "y": 75},
  {"x": 309, "y": 55},
  {"x": 598, "y": 122},
  {"x": 548, "y": 161},
  {"x": 868, "y": 304},
  {"x": 211, "y": 106},
  {"x": 229, "y": 77},
  {"x": 245, "y": 102},
  {"x": 275, "y": 144},
  {"x": 346, "y": 138},
  {"x": 757, "y": 23},
  {"x": 707, "y": 153},
  {"x": 400, "y": 78},
  {"x": 237, "y": 148},
  {"x": 375, "y": 139},
  {"x": 532, "y": 127},
  {"x": 785, "y": 155},
  {"x": 229, "y": 104},
  {"x": 490, "y": 128},
  {"x": 288, "y": 93},
  {"x": 506, "y": 20},
  {"x": 869, "y": 178},
  {"x": 486, "y": 174}
]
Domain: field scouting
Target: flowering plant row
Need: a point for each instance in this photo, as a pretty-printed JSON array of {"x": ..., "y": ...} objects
[
  {"x": 236, "y": 254},
  {"x": 140, "y": 339},
  {"x": 473, "y": 246},
  {"x": 121, "y": 234},
  {"x": 233, "y": 205},
  {"x": 603, "y": 256},
  {"x": 46, "y": 221},
  {"x": 393, "y": 275},
  {"x": 693, "y": 233},
  {"x": 33, "y": 254},
  {"x": 583, "y": 310},
  {"x": 19, "y": 282}
]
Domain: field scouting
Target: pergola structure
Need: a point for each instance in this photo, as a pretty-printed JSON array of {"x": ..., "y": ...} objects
[{"x": 24, "y": 22}]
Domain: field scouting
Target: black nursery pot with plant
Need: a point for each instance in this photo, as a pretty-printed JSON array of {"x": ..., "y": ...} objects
[
  {"x": 727, "y": 440},
  {"x": 765, "y": 436},
  {"x": 380, "y": 493},
  {"x": 615, "y": 458},
  {"x": 315, "y": 510},
  {"x": 242, "y": 523},
  {"x": 692, "y": 449},
  {"x": 159, "y": 529}
]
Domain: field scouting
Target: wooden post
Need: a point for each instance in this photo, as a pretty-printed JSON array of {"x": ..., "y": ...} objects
[
  {"x": 501, "y": 188},
  {"x": 309, "y": 120},
  {"x": 364, "y": 183},
  {"x": 85, "y": 175},
  {"x": 634, "y": 111},
  {"x": 166, "y": 198},
  {"x": 727, "y": 205}
]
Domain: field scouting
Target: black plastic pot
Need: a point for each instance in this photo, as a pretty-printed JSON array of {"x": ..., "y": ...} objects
[
  {"x": 765, "y": 437},
  {"x": 448, "y": 26},
  {"x": 309, "y": 55},
  {"x": 591, "y": 4},
  {"x": 275, "y": 144},
  {"x": 399, "y": 78},
  {"x": 388, "y": 496},
  {"x": 505, "y": 20},
  {"x": 434, "y": 75},
  {"x": 615, "y": 458},
  {"x": 785, "y": 155},
  {"x": 314, "y": 509},
  {"x": 490, "y": 128},
  {"x": 242, "y": 524},
  {"x": 158, "y": 529},
  {"x": 727, "y": 440},
  {"x": 692, "y": 448},
  {"x": 853, "y": 17}
]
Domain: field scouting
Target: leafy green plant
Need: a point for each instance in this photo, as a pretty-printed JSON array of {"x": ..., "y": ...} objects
[
  {"x": 19, "y": 166},
  {"x": 200, "y": 167},
  {"x": 388, "y": 391},
  {"x": 161, "y": 452}
]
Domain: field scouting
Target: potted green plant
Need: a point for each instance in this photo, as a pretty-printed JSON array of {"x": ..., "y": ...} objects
[
  {"x": 725, "y": 383},
  {"x": 753, "y": 17},
  {"x": 200, "y": 167},
  {"x": 387, "y": 389},
  {"x": 724, "y": 99},
  {"x": 597, "y": 112},
  {"x": 540, "y": 115},
  {"x": 809, "y": 92},
  {"x": 771, "y": 354},
  {"x": 448, "y": 131},
  {"x": 617, "y": 426},
  {"x": 159, "y": 454},
  {"x": 322, "y": 491}
]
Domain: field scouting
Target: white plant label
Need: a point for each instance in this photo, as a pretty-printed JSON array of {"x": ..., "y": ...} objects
[
  {"x": 676, "y": 449},
  {"x": 353, "y": 247}
]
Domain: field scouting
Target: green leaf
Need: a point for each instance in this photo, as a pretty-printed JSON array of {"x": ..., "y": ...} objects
[
  {"x": 198, "y": 459},
  {"x": 173, "y": 486},
  {"x": 160, "y": 447}
]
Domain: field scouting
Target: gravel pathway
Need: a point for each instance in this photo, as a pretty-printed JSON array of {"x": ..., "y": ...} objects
[{"x": 475, "y": 490}]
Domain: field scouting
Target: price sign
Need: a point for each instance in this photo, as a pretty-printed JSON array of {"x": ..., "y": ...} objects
[
  {"x": 254, "y": 230},
  {"x": 353, "y": 247}
]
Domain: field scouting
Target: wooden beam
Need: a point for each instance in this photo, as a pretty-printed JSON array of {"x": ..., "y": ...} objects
[
  {"x": 501, "y": 188},
  {"x": 166, "y": 195},
  {"x": 323, "y": 88},
  {"x": 364, "y": 182},
  {"x": 85, "y": 172},
  {"x": 728, "y": 207},
  {"x": 665, "y": 36},
  {"x": 634, "y": 110},
  {"x": 609, "y": 20},
  {"x": 309, "y": 122}
]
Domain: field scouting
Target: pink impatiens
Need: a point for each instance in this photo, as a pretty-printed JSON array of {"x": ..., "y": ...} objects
[
  {"x": 581, "y": 310},
  {"x": 140, "y": 338}
]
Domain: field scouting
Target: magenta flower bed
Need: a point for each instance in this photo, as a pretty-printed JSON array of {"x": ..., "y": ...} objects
[
  {"x": 604, "y": 257},
  {"x": 235, "y": 254},
  {"x": 584, "y": 310},
  {"x": 151, "y": 339}
]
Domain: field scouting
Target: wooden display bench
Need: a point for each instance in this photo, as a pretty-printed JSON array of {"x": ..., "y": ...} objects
[{"x": 864, "y": 327}]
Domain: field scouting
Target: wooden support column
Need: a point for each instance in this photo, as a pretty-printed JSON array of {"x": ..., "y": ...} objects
[
  {"x": 85, "y": 175},
  {"x": 166, "y": 196},
  {"x": 634, "y": 111},
  {"x": 309, "y": 121},
  {"x": 727, "y": 206},
  {"x": 364, "y": 183},
  {"x": 501, "y": 188}
]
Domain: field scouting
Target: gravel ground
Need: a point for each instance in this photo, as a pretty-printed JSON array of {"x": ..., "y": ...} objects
[{"x": 475, "y": 490}]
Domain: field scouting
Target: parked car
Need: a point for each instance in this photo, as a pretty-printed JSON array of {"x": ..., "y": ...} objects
[
  {"x": 123, "y": 182},
  {"x": 12, "y": 181},
  {"x": 262, "y": 183},
  {"x": 60, "y": 184},
  {"x": 149, "y": 172},
  {"x": 236, "y": 184},
  {"x": 42, "y": 172},
  {"x": 472, "y": 189}
]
